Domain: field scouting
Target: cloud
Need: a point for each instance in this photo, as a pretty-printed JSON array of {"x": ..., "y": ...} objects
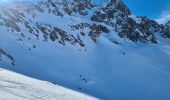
[{"x": 164, "y": 16}]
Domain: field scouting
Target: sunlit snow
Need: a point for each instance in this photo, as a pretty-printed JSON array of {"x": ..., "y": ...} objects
[{"x": 18, "y": 87}]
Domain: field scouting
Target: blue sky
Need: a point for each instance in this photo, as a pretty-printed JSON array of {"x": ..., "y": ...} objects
[{"x": 150, "y": 8}]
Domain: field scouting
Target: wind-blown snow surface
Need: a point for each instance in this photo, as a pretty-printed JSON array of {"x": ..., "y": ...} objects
[
  {"x": 128, "y": 71},
  {"x": 18, "y": 87}
]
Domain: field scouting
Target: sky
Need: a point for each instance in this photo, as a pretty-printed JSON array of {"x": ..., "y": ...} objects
[{"x": 150, "y": 8}]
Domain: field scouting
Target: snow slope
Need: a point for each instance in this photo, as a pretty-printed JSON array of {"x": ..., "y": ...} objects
[
  {"x": 107, "y": 66},
  {"x": 14, "y": 86},
  {"x": 106, "y": 71}
]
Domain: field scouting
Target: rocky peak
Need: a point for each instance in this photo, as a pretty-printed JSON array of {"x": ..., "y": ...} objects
[
  {"x": 167, "y": 24},
  {"x": 114, "y": 8},
  {"x": 117, "y": 15}
]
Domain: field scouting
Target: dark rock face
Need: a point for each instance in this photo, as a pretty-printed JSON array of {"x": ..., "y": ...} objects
[
  {"x": 166, "y": 34},
  {"x": 58, "y": 35},
  {"x": 69, "y": 6},
  {"x": 11, "y": 21},
  {"x": 167, "y": 24},
  {"x": 110, "y": 11},
  {"x": 3, "y": 53},
  {"x": 96, "y": 30}
]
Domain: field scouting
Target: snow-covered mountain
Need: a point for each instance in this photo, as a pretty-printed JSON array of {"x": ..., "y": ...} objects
[{"x": 102, "y": 50}]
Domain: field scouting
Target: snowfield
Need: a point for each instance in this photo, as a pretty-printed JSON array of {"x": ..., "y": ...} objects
[{"x": 18, "y": 87}]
